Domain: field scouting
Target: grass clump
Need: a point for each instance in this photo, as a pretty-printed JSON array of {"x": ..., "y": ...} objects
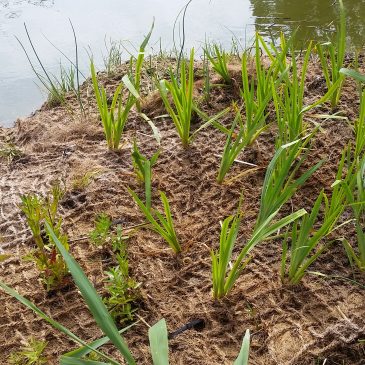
[
  {"x": 355, "y": 194},
  {"x": 219, "y": 60},
  {"x": 30, "y": 354},
  {"x": 10, "y": 152},
  {"x": 39, "y": 211},
  {"x": 181, "y": 91},
  {"x": 160, "y": 224},
  {"x": 113, "y": 118},
  {"x": 335, "y": 53}
]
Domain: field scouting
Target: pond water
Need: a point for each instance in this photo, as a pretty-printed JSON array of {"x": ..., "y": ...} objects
[{"x": 97, "y": 22}]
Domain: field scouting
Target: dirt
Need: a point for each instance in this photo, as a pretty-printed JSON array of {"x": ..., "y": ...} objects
[{"x": 306, "y": 324}]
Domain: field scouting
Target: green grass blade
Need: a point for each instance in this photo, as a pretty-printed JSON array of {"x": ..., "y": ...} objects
[
  {"x": 242, "y": 358},
  {"x": 93, "y": 300},
  {"x": 85, "y": 350},
  {"x": 159, "y": 346},
  {"x": 77, "y": 361}
]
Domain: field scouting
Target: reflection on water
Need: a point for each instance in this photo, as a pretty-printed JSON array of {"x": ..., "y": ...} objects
[{"x": 312, "y": 19}]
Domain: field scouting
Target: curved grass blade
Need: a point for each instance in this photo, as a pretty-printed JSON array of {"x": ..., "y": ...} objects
[
  {"x": 48, "y": 319},
  {"x": 85, "y": 350}
]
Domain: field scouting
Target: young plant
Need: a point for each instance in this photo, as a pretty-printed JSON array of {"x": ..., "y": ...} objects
[
  {"x": 221, "y": 259},
  {"x": 82, "y": 181},
  {"x": 139, "y": 64},
  {"x": 206, "y": 74},
  {"x": 219, "y": 61},
  {"x": 113, "y": 121},
  {"x": 10, "y": 152},
  {"x": 143, "y": 169},
  {"x": 304, "y": 239},
  {"x": 100, "y": 234},
  {"x": 359, "y": 127},
  {"x": 121, "y": 288},
  {"x": 160, "y": 224},
  {"x": 158, "y": 335},
  {"x": 335, "y": 54},
  {"x": 113, "y": 60},
  {"x": 355, "y": 194},
  {"x": 38, "y": 212},
  {"x": 182, "y": 97},
  {"x": 280, "y": 181},
  {"x": 224, "y": 279},
  {"x": 30, "y": 354}
]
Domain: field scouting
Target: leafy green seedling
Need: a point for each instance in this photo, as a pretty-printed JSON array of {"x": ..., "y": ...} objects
[
  {"x": 142, "y": 167},
  {"x": 30, "y": 354}
]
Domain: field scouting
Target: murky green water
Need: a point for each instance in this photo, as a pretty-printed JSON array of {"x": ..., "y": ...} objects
[
  {"x": 95, "y": 21},
  {"x": 312, "y": 19}
]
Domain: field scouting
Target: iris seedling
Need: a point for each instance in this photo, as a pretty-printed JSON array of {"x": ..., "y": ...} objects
[
  {"x": 160, "y": 224},
  {"x": 142, "y": 167}
]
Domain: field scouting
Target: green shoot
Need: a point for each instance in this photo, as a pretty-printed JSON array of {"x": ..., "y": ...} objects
[
  {"x": 182, "y": 97},
  {"x": 121, "y": 288},
  {"x": 305, "y": 239},
  {"x": 335, "y": 53},
  {"x": 256, "y": 99},
  {"x": 355, "y": 193},
  {"x": 82, "y": 181},
  {"x": 30, "y": 354},
  {"x": 113, "y": 60},
  {"x": 113, "y": 122},
  {"x": 160, "y": 224},
  {"x": 222, "y": 258},
  {"x": 206, "y": 73},
  {"x": 219, "y": 60},
  {"x": 142, "y": 167},
  {"x": 139, "y": 64},
  {"x": 39, "y": 211},
  {"x": 100, "y": 234},
  {"x": 10, "y": 151}
]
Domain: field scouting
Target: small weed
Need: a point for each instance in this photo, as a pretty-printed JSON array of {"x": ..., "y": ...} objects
[
  {"x": 81, "y": 182},
  {"x": 10, "y": 152},
  {"x": 30, "y": 354},
  {"x": 39, "y": 211},
  {"x": 100, "y": 235},
  {"x": 122, "y": 289}
]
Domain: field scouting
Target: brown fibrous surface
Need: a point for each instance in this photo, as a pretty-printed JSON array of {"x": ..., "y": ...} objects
[{"x": 316, "y": 320}]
